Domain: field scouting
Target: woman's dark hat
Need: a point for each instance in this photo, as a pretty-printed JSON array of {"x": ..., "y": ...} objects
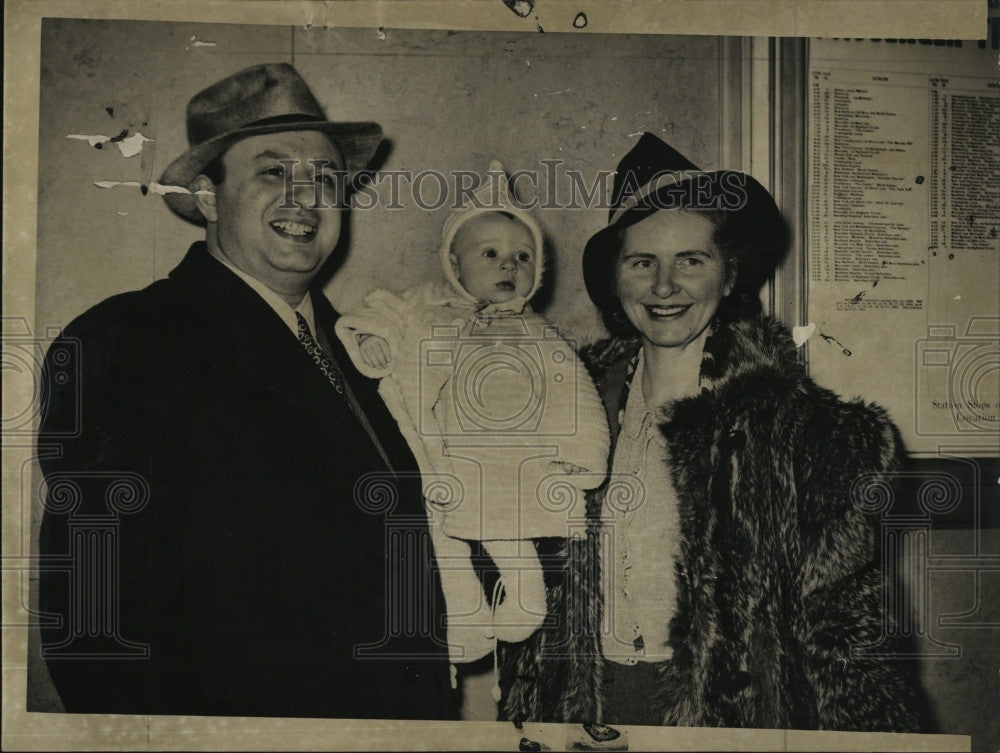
[
  {"x": 654, "y": 176},
  {"x": 266, "y": 98}
]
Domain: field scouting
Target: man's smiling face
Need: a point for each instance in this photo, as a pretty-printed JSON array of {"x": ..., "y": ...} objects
[{"x": 277, "y": 231}]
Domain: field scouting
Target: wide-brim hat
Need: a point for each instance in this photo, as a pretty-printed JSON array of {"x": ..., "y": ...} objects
[
  {"x": 267, "y": 98},
  {"x": 655, "y": 176}
]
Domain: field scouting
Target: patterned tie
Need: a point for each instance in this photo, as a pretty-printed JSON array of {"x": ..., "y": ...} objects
[{"x": 328, "y": 367}]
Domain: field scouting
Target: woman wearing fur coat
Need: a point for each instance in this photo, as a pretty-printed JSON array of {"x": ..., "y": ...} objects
[{"x": 730, "y": 572}]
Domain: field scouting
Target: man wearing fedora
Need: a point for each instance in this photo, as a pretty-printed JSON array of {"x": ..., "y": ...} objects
[{"x": 236, "y": 526}]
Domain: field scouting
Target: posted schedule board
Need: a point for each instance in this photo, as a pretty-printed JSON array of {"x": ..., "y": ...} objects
[{"x": 903, "y": 226}]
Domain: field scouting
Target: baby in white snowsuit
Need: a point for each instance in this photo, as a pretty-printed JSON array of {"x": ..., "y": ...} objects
[{"x": 504, "y": 421}]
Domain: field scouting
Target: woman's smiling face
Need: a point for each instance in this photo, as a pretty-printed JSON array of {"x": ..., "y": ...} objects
[{"x": 671, "y": 276}]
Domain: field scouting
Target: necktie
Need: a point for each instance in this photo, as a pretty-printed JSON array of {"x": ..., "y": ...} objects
[
  {"x": 328, "y": 367},
  {"x": 333, "y": 375}
]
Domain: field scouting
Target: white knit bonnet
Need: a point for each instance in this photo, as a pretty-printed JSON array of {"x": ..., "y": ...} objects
[{"x": 493, "y": 196}]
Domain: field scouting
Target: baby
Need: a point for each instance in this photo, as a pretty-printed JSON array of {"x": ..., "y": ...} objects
[{"x": 503, "y": 420}]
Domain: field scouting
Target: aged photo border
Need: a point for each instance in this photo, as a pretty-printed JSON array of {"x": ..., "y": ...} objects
[{"x": 24, "y": 730}]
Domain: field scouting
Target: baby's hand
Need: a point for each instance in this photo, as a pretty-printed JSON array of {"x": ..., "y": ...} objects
[{"x": 374, "y": 350}]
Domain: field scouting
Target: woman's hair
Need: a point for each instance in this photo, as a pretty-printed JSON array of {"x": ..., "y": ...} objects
[{"x": 752, "y": 238}]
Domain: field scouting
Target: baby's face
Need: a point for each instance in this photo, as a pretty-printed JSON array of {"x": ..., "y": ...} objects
[{"x": 493, "y": 256}]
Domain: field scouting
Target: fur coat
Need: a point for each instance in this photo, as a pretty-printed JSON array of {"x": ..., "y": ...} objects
[{"x": 778, "y": 581}]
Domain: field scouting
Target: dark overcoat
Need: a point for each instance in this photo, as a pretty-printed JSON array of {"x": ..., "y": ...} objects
[
  {"x": 222, "y": 534},
  {"x": 779, "y": 617}
]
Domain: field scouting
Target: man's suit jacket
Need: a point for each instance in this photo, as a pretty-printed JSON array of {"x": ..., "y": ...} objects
[{"x": 266, "y": 560}]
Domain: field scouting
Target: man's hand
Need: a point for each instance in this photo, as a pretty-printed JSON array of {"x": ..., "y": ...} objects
[{"x": 374, "y": 350}]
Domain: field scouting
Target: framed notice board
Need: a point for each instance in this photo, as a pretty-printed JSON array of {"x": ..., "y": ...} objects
[{"x": 901, "y": 277}]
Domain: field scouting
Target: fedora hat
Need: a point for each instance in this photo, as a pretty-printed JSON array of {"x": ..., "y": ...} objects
[
  {"x": 655, "y": 176},
  {"x": 262, "y": 99}
]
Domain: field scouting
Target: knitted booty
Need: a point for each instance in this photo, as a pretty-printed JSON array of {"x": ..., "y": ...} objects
[
  {"x": 470, "y": 637},
  {"x": 522, "y": 605},
  {"x": 469, "y": 622}
]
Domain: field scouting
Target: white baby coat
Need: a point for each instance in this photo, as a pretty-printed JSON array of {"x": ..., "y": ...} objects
[{"x": 503, "y": 419}]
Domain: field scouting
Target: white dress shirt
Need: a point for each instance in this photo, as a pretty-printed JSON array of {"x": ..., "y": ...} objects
[
  {"x": 281, "y": 307},
  {"x": 641, "y": 540}
]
